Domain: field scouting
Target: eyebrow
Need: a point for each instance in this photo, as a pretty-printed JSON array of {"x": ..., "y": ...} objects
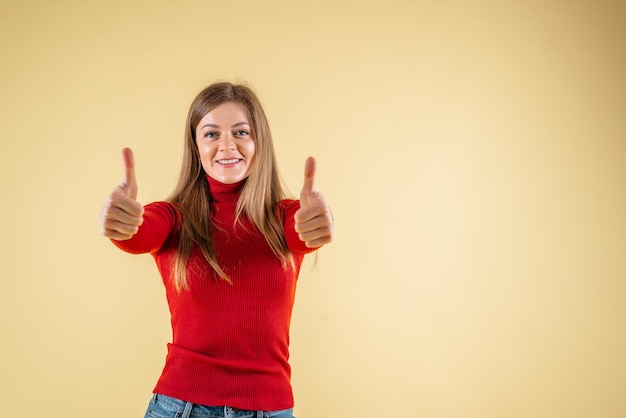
[{"x": 211, "y": 125}]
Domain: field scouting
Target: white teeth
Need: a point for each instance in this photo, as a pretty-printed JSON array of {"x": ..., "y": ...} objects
[{"x": 231, "y": 161}]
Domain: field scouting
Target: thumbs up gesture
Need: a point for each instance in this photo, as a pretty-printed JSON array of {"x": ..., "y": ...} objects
[
  {"x": 122, "y": 214},
  {"x": 313, "y": 221}
]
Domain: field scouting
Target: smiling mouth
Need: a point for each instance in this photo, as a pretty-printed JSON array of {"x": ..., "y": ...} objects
[{"x": 229, "y": 161}]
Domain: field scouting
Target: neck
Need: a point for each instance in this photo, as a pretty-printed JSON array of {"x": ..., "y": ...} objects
[{"x": 225, "y": 193}]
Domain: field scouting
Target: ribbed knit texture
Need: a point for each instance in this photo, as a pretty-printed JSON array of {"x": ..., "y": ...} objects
[{"x": 230, "y": 343}]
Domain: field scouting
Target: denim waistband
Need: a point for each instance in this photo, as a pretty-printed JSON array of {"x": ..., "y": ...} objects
[{"x": 183, "y": 409}]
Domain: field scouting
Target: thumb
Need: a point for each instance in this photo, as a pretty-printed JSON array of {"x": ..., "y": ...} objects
[
  {"x": 308, "y": 188},
  {"x": 130, "y": 181}
]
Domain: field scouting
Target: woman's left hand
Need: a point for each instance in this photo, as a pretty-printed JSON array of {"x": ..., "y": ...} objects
[{"x": 313, "y": 221}]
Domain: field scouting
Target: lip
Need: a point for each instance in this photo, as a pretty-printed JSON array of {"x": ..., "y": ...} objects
[{"x": 228, "y": 162}]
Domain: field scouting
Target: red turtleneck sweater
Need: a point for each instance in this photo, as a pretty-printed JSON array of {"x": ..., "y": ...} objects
[{"x": 230, "y": 342}]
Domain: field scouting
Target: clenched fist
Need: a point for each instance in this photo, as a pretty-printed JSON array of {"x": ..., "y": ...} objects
[
  {"x": 122, "y": 214},
  {"x": 313, "y": 221}
]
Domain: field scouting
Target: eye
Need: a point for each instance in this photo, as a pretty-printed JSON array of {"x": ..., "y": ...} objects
[
  {"x": 211, "y": 135},
  {"x": 242, "y": 133}
]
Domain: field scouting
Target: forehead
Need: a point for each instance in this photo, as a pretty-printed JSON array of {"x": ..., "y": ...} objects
[{"x": 225, "y": 115}]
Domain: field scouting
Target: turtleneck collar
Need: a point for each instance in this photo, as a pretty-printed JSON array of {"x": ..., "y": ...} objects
[{"x": 225, "y": 193}]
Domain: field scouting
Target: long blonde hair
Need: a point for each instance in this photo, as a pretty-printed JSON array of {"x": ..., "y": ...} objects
[{"x": 259, "y": 196}]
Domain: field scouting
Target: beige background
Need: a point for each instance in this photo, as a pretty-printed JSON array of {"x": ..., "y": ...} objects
[{"x": 474, "y": 154}]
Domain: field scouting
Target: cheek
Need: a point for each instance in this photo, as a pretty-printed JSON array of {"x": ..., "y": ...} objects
[
  {"x": 205, "y": 151},
  {"x": 251, "y": 150},
  {"x": 205, "y": 159}
]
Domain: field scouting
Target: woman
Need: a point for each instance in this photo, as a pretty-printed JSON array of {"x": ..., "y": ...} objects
[{"x": 229, "y": 246}]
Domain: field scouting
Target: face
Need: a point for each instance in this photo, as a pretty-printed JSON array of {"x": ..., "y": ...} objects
[{"x": 225, "y": 143}]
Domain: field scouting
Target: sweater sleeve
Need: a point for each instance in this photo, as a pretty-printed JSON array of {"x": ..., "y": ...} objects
[
  {"x": 295, "y": 245},
  {"x": 159, "y": 221}
]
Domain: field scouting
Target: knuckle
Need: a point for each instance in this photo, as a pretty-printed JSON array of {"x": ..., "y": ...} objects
[{"x": 108, "y": 223}]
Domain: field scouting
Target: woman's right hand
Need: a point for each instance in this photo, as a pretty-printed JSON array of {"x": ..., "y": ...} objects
[{"x": 122, "y": 214}]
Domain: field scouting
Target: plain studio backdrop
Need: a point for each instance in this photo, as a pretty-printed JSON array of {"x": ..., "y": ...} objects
[{"x": 473, "y": 152}]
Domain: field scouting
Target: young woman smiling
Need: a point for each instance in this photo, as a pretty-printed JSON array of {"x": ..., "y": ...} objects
[{"x": 229, "y": 245}]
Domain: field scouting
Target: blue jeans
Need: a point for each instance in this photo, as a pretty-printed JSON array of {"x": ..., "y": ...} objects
[{"x": 162, "y": 406}]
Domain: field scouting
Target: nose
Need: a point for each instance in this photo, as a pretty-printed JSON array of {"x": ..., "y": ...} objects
[{"x": 227, "y": 142}]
